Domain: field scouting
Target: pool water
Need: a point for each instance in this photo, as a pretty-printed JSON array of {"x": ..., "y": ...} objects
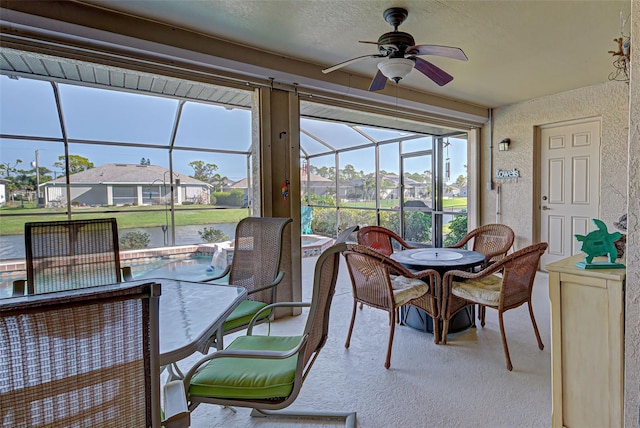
[{"x": 191, "y": 269}]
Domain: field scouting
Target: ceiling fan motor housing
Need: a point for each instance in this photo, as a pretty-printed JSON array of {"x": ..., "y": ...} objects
[{"x": 399, "y": 39}]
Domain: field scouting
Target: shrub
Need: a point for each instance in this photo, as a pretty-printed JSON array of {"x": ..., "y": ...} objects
[
  {"x": 210, "y": 234},
  {"x": 134, "y": 240},
  {"x": 234, "y": 198},
  {"x": 457, "y": 230}
]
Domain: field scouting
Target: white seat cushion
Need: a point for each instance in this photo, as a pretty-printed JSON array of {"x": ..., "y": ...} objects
[
  {"x": 405, "y": 289},
  {"x": 483, "y": 290}
]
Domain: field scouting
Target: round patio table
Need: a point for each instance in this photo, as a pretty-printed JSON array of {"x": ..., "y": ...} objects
[{"x": 441, "y": 260}]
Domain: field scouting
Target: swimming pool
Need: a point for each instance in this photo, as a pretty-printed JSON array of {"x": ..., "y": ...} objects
[
  {"x": 188, "y": 269},
  {"x": 191, "y": 269},
  {"x": 189, "y": 263}
]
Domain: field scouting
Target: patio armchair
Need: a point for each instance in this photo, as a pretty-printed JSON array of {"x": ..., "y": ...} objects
[
  {"x": 265, "y": 373},
  {"x": 85, "y": 357},
  {"x": 382, "y": 240},
  {"x": 492, "y": 240},
  {"x": 383, "y": 283},
  {"x": 503, "y": 285},
  {"x": 255, "y": 266},
  {"x": 68, "y": 254}
]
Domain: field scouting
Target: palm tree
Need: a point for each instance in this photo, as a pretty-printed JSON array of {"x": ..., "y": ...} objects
[{"x": 218, "y": 182}]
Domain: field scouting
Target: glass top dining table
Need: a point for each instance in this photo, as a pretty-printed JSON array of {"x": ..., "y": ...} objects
[{"x": 190, "y": 312}]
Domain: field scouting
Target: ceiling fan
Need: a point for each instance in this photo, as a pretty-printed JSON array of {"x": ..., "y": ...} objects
[{"x": 401, "y": 55}]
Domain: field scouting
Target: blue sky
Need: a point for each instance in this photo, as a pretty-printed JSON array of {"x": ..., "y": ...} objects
[{"x": 28, "y": 107}]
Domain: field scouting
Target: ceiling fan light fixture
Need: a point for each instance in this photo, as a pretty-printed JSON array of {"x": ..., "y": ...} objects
[{"x": 396, "y": 69}]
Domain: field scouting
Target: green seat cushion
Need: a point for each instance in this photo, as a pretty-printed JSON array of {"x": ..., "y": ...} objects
[
  {"x": 249, "y": 378},
  {"x": 243, "y": 314}
]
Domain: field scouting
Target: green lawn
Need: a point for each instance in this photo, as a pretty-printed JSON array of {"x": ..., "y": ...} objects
[
  {"x": 448, "y": 204},
  {"x": 128, "y": 217},
  {"x": 134, "y": 216}
]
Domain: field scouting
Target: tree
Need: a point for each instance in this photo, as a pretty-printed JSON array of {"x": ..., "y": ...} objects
[
  {"x": 369, "y": 187},
  {"x": 77, "y": 164},
  {"x": 386, "y": 188},
  {"x": 461, "y": 181},
  {"x": 348, "y": 173},
  {"x": 457, "y": 230},
  {"x": 204, "y": 171},
  {"x": 415, "y": 176},
  {"x": 6, "y": 169},
  {"x": 218, "y": 182},
  {"x": 326, "y": 172}
]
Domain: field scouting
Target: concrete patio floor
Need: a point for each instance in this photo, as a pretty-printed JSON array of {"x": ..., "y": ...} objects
[{"x": 463, "y": 383}]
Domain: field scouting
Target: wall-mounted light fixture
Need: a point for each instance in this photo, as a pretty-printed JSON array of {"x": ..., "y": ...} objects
[{"x": 503, "y": 145}]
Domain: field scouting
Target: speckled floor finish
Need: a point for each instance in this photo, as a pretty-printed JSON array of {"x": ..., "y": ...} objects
[{"x": 462, "y": 384}]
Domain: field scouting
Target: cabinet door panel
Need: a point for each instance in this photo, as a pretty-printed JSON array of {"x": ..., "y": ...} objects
[{"x": 585, "y": 356}]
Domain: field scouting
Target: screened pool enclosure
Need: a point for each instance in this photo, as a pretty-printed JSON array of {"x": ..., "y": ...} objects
[{"x": 174, "y": 160}]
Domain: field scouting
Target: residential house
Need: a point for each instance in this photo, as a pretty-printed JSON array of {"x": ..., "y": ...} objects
[
  {"x": 3, "y": 191},
  {"x": 125, "y": 184}
]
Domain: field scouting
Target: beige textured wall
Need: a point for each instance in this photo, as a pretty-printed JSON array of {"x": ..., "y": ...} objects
[
  {"x": 632, "y": 292},
  {"x": 608, "y": 101},
  {"x": 618, "y": 106}
]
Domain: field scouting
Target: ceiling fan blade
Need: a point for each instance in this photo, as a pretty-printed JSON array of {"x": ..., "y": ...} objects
[
  {"x": 434, "y": 73},
  {"x": 446, "y": 51},
  {"x": 378, "y": 83},
  {"x": 385, "y": 46},
  {"x": 350, "y": 61}
]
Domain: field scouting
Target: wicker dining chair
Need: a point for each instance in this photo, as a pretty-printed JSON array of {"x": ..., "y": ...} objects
[
  {"x": 492, "y": 240},
  {"x": 503, "y": 285},
  {"x": 382, "y": 240},
  {"x": 255, "y": 266},
  {"x": 383, "y": 283},
  {"x": 265, "y": 373},
  {"x": 68, "y": 254},
  {"x": 85, "y": 357}
]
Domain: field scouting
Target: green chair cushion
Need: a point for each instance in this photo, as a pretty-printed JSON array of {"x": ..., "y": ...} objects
[
  {"x": 249, "y": 378},
  {"x": 243, "y": 314}
]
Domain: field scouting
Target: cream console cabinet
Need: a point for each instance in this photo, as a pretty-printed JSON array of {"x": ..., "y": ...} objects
[{"x": 587, "y": 345}]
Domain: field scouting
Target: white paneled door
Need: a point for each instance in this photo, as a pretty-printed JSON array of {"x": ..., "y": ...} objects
[{"x": 570, "y": 174}]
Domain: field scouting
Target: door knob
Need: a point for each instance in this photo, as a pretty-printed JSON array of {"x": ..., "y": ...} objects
[{"x": 545, "y": 208}]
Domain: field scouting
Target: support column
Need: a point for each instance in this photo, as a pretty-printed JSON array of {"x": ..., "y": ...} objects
[
  {"x": 279, "y": 161},
  {"x": 109, "y": 198},
  {"x": 139, "y": 196}
]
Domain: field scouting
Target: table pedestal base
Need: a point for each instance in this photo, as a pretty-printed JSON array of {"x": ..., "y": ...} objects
[{"x": 420, "y": 320}]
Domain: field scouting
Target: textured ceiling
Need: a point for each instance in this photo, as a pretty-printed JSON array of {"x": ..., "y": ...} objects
[{"x": 517, "y": 50}]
